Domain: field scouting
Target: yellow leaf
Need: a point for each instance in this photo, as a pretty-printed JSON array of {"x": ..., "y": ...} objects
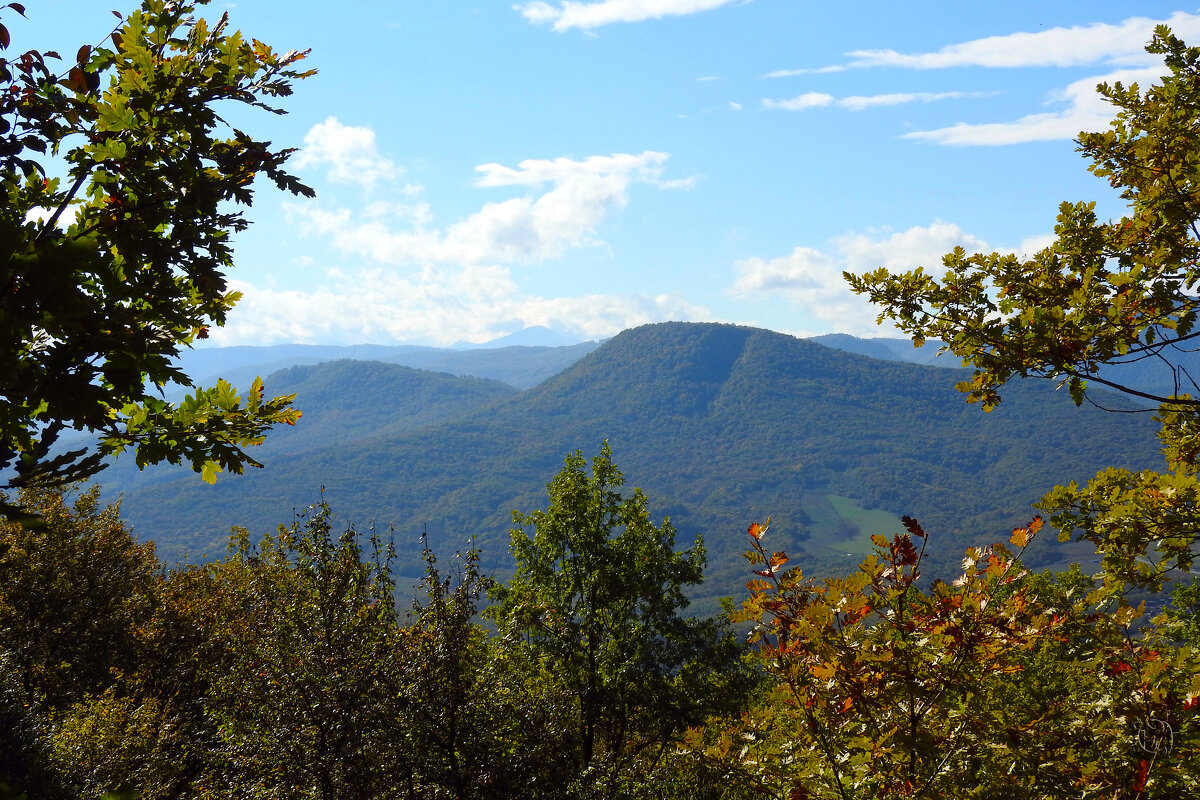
[{"x": 210, "y": 471}]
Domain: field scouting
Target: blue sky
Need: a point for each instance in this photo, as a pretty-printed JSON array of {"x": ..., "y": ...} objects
[{"x": 482, "y": 167}]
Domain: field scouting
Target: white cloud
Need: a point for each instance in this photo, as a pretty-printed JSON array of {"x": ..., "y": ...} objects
[
  {"x": 803, "y": 270},
  {"x": 859, "y": 102},
  {"x": 801, "y": 102},
  {"x": 1032, "y": 245},
  {"x": 687, "y": 183},
  {"x": 569, "y": 14},
  {"x": 533, "y": 172},
  {"x": 1086, "y": 110},
  {"x": 349, "y": 153},
  {"x": 789, "y": 73},
  {"x": 65, "y": 220},
  {"x": 906, "y": 249},
  {"x": 541, "y": 225},
  {"x": 1115, "y": 45},
  {"x": 442, "y": 284},
  {"x": 812, "y": 279},
  {"x": 434, "y": 305},
  {"x": 1099, "y": 43}
]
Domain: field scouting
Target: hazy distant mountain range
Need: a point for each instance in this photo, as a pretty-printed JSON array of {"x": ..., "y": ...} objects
[
  {"x": 520, "y": 366},
  {"x": 720, "y": 425}
]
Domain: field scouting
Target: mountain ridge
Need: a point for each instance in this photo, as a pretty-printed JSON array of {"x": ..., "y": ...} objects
[{"x": 720, "y": 425}]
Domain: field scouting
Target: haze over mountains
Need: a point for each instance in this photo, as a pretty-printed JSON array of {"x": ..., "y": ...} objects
[{"x": 720, "y": 425}]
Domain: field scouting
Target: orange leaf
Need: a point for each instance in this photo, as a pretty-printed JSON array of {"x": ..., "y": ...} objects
[
  {"x": 756, "y": 530},
  {"x": 822, "y": 671},
  {"x": 1020, "y": 537}
]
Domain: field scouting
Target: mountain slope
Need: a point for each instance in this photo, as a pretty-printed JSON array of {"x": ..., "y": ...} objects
[
  {"x": 721, "y": 425},
  {"x": 342, "y": 401},
  {"x": 519, "y": 366}
]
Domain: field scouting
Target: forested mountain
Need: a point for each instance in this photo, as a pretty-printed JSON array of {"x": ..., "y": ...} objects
[
  {"x": 1176, "y": 370},
  {"x": 521, "y": 366},
  {"x": 888, "y": 348},
  {"x": 721, "y": 426}
]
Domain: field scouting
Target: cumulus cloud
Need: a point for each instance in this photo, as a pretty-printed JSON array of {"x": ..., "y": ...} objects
[
  {"x": 859, "y": 102},
  {"x": 812, "y": 279},
  {"x": 434, "y": 305},
  {"x": 348, "y": 153},
  {"x": 445, "y": 283},
  {"x": 565, "y": 203},
  {"x": 1085, "y": 110},
  {"x": 570, "y": 14}
]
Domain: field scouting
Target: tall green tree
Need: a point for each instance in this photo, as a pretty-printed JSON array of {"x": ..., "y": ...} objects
[
  {"x": 1104, "y": 293},
  {"x": 309, "y": 705},
  {"x": 597, "y": 603},
  {"x": 119, "y": 187}
]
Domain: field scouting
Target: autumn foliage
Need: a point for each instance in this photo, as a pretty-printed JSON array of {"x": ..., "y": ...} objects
[{"x": 997, "y": 684}]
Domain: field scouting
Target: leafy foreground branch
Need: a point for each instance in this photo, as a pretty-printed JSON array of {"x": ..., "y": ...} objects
[
  {"x": 1001, "y": 684},
  {"x": 119, "y": 187},
  {"x": 1104, "y": 298}
]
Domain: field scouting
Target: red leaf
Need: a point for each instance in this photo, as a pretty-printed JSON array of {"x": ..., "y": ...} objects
[
  {"x": 1139, "y": 783},
  {"x": 913, "y": 527},
  {"x": 756, "y": 530},
  {"x": 1118, "y": 668},
  {"x": 903, "y": 552},
  {"x": 77, "y": 80}
]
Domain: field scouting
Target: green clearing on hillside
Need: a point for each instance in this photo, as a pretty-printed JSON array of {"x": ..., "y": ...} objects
[{"x": 843, "y": 528}]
